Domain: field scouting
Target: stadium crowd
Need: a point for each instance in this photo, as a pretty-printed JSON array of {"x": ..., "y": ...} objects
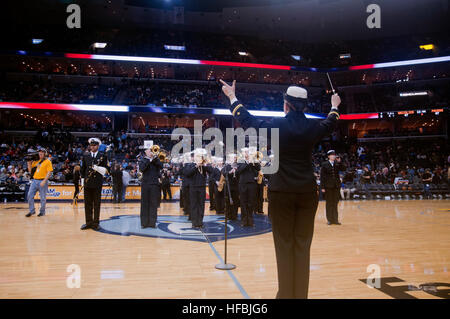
[{"x": 418, "y": 164}]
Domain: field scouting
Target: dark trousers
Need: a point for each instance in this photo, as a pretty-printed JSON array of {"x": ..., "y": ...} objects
[
  {"x": 181, "y": 197},
  {"x": 219, "y": 197},
  {"x": 247, "y": 196},
  {"x": 77, "y": 191},
  {"x": 117, "y": 192},
  {"x": 211, "y": 191},
  {"x": 92, "y": 197},
  {"x": 292, "y": 216},
  {"x": 197, "y": 204},
  {"x": 259, "y": 198},
  {"x": 167, "y": 193},
  {"x": 231, "y": 210},
  {"x": 187, "y": 200},
  {"x": 150, "y": 198},
  {"x": 332, "y": 199}
]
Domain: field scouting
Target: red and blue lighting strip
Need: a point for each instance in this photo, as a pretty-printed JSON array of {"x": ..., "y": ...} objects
[
  {"x": 252, "y": 65},
  {"x": 64, "y": 107},
  {"x": 181, "y": 110},
  {"x": 231, "y": 64}
]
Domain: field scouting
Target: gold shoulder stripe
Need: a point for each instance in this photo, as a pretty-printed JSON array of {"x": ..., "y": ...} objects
[
  {"x": 337, "y": 114},
  {"x": 236, "y": 108}
]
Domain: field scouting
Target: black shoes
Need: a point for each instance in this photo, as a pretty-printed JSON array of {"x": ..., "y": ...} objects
[
  {"x": 338, "y": 223},
  {"x": 94, "y": 227},
  {"x": 31, "y": 214}
]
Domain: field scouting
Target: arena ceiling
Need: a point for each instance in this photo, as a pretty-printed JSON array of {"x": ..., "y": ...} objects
[{"x": 303, "y": 20}]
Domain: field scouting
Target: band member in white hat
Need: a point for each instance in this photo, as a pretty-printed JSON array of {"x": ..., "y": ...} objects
[
  {"x": 94, "y": 166},
  {"x": 197, "y": 174},
  {"x": 150, "y": 166}
]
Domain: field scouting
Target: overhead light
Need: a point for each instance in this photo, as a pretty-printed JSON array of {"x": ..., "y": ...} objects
[
  {"x": 417, "y": 93},
  {"x": 36, "y": 41},
  {"x": 175, "y": 47},
  {"x": 296, "y": 57},
  {"x": 99, "y": 45},
  {"x": 427, "y": 47},
  {"x": 345, "y": 56},
  {"x": 243, "y": 53}
]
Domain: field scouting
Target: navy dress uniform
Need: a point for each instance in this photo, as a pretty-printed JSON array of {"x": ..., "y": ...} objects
[
  {"x": 150, "y": 189},
  {"x": 197, "y": 192},
  {"x": 94, "y": 166},
  {"x": 331, "y": 184},
  {"x": 185, "y": 188},
  {"x": 293, "y": 192},
  {"x": 218, "y": 195},
  {"x": 231, "y": 210},
  {"x": 248, "y": 173}
]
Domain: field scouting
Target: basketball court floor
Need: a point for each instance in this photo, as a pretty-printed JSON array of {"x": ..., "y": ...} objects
[{"x": 407, "y": 242}]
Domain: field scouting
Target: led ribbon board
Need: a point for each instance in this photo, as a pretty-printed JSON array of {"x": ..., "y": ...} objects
[
  {"x": 252, "y": 65},
  {"x": 64, "y": 107}
]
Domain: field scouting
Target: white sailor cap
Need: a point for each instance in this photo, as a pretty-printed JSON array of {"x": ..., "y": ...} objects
[
  {"x": 94, "y": 140},
  {"x": 296, "y": 96},
  {"x": 200, "y": 151},
  {"x": 331, "y": 152}
]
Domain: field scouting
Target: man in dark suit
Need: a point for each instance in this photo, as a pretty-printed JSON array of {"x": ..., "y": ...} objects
[
  {"x": 248, "y": 174},
  {"x": 330, "y": 184},
  {"x": 94, "y": 166},
  {"x": 116, "y": 174},
  {"x": 165, "y": 185},
  {"x": 197, "y": 172},
  {"x": 150, "y": 166},
  {"x": 293, "y": 194}
]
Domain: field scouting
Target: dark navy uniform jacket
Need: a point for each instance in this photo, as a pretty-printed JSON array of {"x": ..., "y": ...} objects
[
  {"x": 329, "y": 175},
  {"x": 248, "y": 172},
  {"x": 197, "y": 178},
  {"x": 150, "y": 170},
  {"x": 298, "y": 135},
  {"x": 93, "y": 179}
]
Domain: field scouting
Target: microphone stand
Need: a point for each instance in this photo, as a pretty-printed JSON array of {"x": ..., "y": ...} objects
[{"x": 225, "y": 265}]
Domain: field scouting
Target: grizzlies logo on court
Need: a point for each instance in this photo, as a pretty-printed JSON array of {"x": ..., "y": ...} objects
[{"x": 178, "y": 227}]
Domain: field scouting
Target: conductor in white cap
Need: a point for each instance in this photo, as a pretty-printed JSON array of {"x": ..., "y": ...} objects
[
  {"x": 293, "y": 193},
  {"x": 94, "y": 166}
]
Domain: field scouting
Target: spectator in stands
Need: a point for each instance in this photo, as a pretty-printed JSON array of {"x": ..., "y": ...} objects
[{"x": 426, "y": 180}]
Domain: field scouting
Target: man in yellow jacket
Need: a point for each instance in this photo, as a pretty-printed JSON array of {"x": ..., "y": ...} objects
[{"x": 40, "y": 171}]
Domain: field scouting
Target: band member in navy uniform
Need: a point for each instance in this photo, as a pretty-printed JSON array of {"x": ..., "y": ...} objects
[
  {"x": 197, "y": 173},
  {"x": 248, "y": 174},
  {"x": 150, "y": 166},
  {"x": 94, "y": 166},
  {"x": 293, "y": 193},
  {"x": 186, "y": 183},
  {"x": 229, "y": 173},
  {"x": 330, "y": 183},
  {"x": 211, "y": 191},
  {"x": 215, "y": 175},
  {"x": 260, "y": 194}
]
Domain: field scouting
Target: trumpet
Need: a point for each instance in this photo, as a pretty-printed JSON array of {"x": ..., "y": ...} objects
[{"x": 163, "y": 155}]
